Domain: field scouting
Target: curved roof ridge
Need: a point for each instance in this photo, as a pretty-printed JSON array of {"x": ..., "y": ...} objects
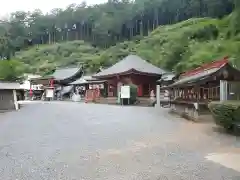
[
  {"x": 65, "y": 73},
  {"x": 131, "y": 62}
]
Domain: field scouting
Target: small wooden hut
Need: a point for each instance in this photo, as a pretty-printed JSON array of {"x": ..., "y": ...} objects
[{"x": 8, "y": 95}]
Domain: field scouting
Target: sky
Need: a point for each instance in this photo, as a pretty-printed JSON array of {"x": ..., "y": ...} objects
[{"x": 8, "y": 6}]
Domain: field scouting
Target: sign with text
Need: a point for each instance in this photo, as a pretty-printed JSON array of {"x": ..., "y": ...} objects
[
  {"x": 125, "y": 92},
  {"x": 49, "y": 93}
]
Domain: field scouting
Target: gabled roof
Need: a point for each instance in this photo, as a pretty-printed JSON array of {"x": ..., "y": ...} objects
[
  {"x": 63, "y": 76},
  {"x": 9, "y": 85},
  {"x": 129, "y": 63},
  {"x": 206, "y": 66},
  {"x": 167, "y": 77},
  {"x": 66, "y": 90},
  {"x": 65, "y": 73},
  {"x": 86, "y": 80},
  {"x": 200, "y": 73},
  {"x": 83, "y": 80},
  {"x": 196, "y": 77}
]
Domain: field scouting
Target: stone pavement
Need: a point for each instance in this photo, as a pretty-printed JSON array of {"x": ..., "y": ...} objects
[
  {"x": 66, "y": 140},
  {"x": 229, "y": 160}
]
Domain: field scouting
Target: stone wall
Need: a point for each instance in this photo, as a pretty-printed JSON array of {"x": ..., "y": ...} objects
[{"x": 188, "y": 111}]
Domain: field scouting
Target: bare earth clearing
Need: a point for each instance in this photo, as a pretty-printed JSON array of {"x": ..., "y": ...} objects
[{"x": 99, "y": 142}]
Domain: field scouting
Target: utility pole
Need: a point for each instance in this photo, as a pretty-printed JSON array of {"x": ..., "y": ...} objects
[
  {"x": 49, "y": 38},
  {"x": 66, "y": 30}
]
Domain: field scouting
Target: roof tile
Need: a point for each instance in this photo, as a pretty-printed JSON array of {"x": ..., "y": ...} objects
[
  {"x": 65, "y": 73},
  {"x": 128, "y": 63}
]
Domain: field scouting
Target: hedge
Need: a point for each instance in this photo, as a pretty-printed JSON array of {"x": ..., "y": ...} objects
[
  {"x": 225, "y": 113},
  {"x": 133, "y": 93}
]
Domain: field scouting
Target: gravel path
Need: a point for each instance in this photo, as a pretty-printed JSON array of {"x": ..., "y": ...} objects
[{"x": 71, "y": 141}]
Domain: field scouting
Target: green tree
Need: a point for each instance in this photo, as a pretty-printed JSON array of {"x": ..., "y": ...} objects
[
  {"x": 235, "y": 23},
  {"x": 106, "y": 24},
  {"x": 10, "y": 70}
]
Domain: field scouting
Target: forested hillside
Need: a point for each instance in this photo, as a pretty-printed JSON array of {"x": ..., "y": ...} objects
[
  {"x": 174, "y": 34},
  {"x": 102, "y": 25},
  {"x": 173, "y": 47}
]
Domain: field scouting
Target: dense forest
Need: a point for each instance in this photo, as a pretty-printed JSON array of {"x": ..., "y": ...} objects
[
  {"x": 102, "y": 25},
  {"x": 101, "y": 34}
]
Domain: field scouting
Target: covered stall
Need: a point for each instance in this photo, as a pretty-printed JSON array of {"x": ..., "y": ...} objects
[
  {"x": 8, "y": 95},
  {"x": 85, "y": 83},
  {"x": 163, "y": 94},
  {"x": 192, "y": 92}
]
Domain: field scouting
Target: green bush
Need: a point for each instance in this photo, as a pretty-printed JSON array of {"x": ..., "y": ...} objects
[
  {"x": 133, "y": 93},
  {"x": 11, "y": 70},
  {"x": 225, "y": 113}
]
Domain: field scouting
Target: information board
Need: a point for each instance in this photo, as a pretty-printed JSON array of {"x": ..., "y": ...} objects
[
  {"x": 49, "y": 93},
  {"x": 125, "y": 92}
]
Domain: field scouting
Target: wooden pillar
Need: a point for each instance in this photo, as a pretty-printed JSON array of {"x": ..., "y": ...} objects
[
  {"x": 15, "y": 99},
  {"x": 158, "y": 95},
  {"x": 223, "y": 90},
  {"x": 149, "y": 89},
  {"x": 61, "y": 93},
  {"x": 108, "y": 87}
]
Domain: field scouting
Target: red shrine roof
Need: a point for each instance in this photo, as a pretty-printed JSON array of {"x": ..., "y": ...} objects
[
  {"x": 216, "y": 64},
  {"x": 200, "y": 73}
]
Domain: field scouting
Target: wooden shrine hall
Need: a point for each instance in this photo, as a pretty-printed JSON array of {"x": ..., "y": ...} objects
[
  {"x": 131, "y": 70},
  {"x": 194, "y": 89}
]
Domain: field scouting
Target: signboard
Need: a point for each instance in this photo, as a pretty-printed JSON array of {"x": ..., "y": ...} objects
[
  {"x": 125, "y": 92},
  {"x": 96, "y": 86},
  {"x": 49, "y": 93}
]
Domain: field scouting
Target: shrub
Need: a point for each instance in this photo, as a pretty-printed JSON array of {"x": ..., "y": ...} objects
[
  {"x": 133, "y": 93},
  {"x": 225, "y": 113},
  {"x": 11, "y": 70}
]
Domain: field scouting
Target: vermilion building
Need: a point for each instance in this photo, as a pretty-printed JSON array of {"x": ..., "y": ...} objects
[{"x": 131, "y": 70}]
